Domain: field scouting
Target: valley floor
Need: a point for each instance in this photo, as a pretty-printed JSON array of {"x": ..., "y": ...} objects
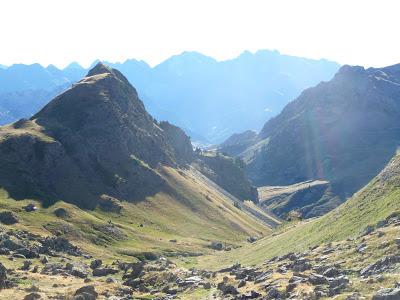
[
  {"x": 52, "y": 268},
  {"x": 198, "y": 245}
]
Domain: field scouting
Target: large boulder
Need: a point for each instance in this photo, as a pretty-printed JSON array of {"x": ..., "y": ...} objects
[
  {"x": 104, "y": 272},
  {"x": 61, "y": 212},
  {"x": 32, "y": 296},
  {"x": 87, "y": 292},
  {"x": 8, "y": 218},
  {"x": 95, "y": 138}
]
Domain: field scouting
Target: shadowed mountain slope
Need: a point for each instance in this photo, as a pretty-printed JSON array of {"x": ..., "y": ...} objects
[
  {"x": 95, "y": 138},
  {"x": 96, "y": 145},
  {"x": 343, "y": 131}
]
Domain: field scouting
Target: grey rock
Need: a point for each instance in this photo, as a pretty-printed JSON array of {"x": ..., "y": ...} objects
[
  {"x": 30, "y": 207},
  {"x": 104, "y": 271},
  {"x": 61, "y": 213},
  {"x": 368, "y": 230},
  {"x": 250, "y": 295},
  {"x": 32, "y": 296},
  {"x": 252, "y": 239},
  {"x": 316, "y": 279},
  {"x": 137, "y": 270},
  {"x": 387, "y": 294},
  {"x": 26, "y": 265},
  {"x": 59, "y": 244},
  {"x": 273, "y": 293},
  {"x": 190, "y": 281},
  {"x": 77, "y": 272},
  {"x": 216, "y": 246},
  {"x": 10, "y": 244},
  {"x": 17, "y": 255},
  {"x": 381, "y": 223},
  {"x": 301, "y": 265},
  {"x": 227, "y": 289},
  {"x": 87, "y": 292},
  {"x": 3, "y": 276},
  {"x": 96, "y": 264},
  {"x": 44, "y": 260},
  {"x": 380, "y": 266},
  {"x": 230, "y": 269},
  {"x": 8, "y": 218},
  {"x": 332, "y": 272},
  {"x": 28, "y": 253},
  {"x": 110, "y": 280}
]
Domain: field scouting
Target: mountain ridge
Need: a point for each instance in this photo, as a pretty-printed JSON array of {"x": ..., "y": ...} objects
[{"x": 207, "y": 96}]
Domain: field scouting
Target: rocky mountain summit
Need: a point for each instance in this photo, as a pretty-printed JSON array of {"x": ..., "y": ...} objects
[
  {"x": 94, "y": 139},
  {"x": 343, "y": 131}
]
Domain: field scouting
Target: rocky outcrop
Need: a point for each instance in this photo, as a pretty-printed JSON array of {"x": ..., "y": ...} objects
[
  {"x": 387, "y": 294},
  {"x": 179, "y": 141}
]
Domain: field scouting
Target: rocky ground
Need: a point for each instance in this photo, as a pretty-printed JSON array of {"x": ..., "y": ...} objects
[{"x": 366, "y": 267}]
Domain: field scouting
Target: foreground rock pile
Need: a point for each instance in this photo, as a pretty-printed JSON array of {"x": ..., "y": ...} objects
[{"x": 366, "y": 267}]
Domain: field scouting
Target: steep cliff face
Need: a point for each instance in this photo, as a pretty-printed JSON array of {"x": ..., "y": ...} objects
[
  {"x": 179, "y": 142},
  {"x": 228, "y": 173},
  {"x": 95, "y": 138}
]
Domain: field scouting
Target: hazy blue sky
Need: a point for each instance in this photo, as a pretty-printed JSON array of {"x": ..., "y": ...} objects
[{"x": 60, "y": 31}]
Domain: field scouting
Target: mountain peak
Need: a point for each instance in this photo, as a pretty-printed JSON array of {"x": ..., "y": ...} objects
[
  {"x": 99, "y": 139},
  {"x": 73, "y": 65},
  {"x": 100, "y": 68},
  {"x": 350, "y": 70}
]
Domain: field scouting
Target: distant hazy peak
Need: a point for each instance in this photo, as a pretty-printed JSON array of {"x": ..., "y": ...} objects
[{"x": 73, "y": 65}]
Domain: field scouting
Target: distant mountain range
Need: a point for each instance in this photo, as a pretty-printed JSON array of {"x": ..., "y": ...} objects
[
  {"x": 209, "y": 99},
  {"x": 344, "y": 131}
]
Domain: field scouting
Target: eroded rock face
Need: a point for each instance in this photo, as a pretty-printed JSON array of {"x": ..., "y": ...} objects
[
  {"x": 179, "y": 141},
  {"x": 94, "y": 139}
]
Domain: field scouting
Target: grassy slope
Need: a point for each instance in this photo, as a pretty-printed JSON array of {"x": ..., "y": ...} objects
[
  {"x": 193, "y": 214},
  {"x": 376, "y": 201}
]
